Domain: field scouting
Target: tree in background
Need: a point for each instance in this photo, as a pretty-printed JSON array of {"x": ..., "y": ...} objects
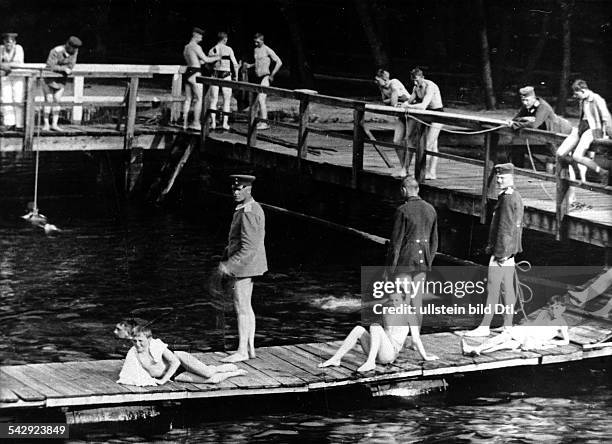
[
  {"x": 567, "y": 7},
  {"x": 376, "y": 46},
  {"x": 485, "y": 60},
  {"x": 301, "y": 65}
]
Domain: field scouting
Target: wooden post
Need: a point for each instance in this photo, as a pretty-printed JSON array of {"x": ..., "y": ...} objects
[
  {"x": 561, "y": 174},
  {"x": 302, "y": 142},
  {"x": 252, "y": 131},
  {"x": 177, "y": 86},
  {"x": 358, "y": 138},
  {"x": 29, "y": 113},
  {"x": 77, "y": 111},
  {"x": 491, "y": 140},
  {"x": 130, "y": 124},
  {"x": 420, "y": 161},
  {"x": 204, "y": 116}
]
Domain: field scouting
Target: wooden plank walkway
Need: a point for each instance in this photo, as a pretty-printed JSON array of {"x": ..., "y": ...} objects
[
  {"x": 277, "y": 369},
  {"x": 456, "y": 181}
]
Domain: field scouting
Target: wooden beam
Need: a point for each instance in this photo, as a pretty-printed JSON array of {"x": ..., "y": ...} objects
[
  {"x": 491, "y": 140},
  {"x": 131, "y": 114},
  {"x": 302, "y": 142},
  {"x": 29, "y": 114},
  {"x": 177, "y": 87},
  {"x": 358, "y": 139},
  {"x": 420, "y": 160},
  {"x": 77, "y": 111},
  {"x": 562, "y": 189},
  {"x": 252, "y": 131}
]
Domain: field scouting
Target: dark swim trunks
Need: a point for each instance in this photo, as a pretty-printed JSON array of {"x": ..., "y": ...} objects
[
  {"x": 259, "y": 79},
  {"x": 220, "y": 74},
  {"x": 189, "y": 72},
  {"x": 179, "y": 370}
]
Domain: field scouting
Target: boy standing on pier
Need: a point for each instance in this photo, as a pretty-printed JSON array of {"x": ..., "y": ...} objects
[
  {"x": 194, "y": 57},
  {"x": 244, "y": 258},
  {"x": 505, "y": 240},
  {"x": 61, "y": 60},
  {"x": 11, "y": 56}
]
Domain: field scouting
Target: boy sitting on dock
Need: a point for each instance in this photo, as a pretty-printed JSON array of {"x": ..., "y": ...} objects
[
  {"x": 539, "y": 334},
  {"x": 150, "y": 362},
  {"x": 383, "y": 345}
]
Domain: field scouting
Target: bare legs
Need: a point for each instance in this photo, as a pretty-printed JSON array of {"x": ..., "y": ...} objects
[
  {"x": 243, "y": 288},
  {"x": 376, "y": 344},
  {"x": 52, "y": 96},
  {"x": 502, "y": 341},
  {"x": 431, "y": 144},
  {"x": 193, "y": 97},
  {"x": 12, "y": 91},
  {"x": 198, "y": 372},
  {"x": 227, "y": 100},
  {"x": 263, "y": 109}
]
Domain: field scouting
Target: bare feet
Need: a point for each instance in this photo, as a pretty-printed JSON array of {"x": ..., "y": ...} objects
[
  {"x": 46, "y": 127},
  {"x": 226, "y": 368},
  {"x": 401, "y": 173},
  {"x": 220, "y": 377},
  {"x": 478, "y": 332},
  {"x": 468, "y": 350},
  {"x": 236, "y": 357},
  {"x": 578, "y": 296},
  {"x": 430, "y": 357},
  {"x": 430, "y": 176},
  {"x": 195, "y": 127},
  {"x": 367, "y": 367},
  {"x": 603, "y": 312},
  {"x": 55, "y": 128},
  {"x": 330, "y": 363}
]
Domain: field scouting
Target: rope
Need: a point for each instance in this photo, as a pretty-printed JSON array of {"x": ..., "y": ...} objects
[
  {"x": 523, "y": 266},
  {"x": 488, "y": 130},
  {"x": 36, "y": 168},
  {"x": 534, "y": 170}
]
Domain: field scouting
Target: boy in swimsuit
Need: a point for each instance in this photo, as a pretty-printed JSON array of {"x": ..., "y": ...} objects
[
  {"x": 194, "y": 57},
  {"x": 223, "y": 70},
  {"x": 538, "y": 334},
  {"x": 383, "y": 345},
  {"x": 162, "y": 364}
]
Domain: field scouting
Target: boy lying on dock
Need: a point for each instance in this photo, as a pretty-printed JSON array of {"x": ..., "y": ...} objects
[
  {"x": 539, "y": 334},
  {"x": 150, "y": 362},
  {"x": 383, "y": 345}
]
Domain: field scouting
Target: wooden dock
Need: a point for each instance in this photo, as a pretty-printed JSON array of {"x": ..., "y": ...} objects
[{"x": 283, "y": 369}]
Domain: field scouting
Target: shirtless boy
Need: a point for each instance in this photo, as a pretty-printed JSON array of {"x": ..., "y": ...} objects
[
  {"x": 383, "y": 345},
  {"x": 146, "y": 349},
  {"x": 194, "y": 57},
  {"x": 539, "y": 334},
  {"x": 264, "y": 55},
  {"x": 223, "y": 70}
]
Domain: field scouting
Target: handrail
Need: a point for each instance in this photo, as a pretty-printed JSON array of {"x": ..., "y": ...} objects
[{"x": 491, "y": 126}]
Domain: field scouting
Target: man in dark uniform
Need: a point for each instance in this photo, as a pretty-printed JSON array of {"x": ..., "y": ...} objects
[
  {"x": 243, "y": 258},
  {"x": 537, "y": 113},
  {"x": 505, "y": 240},
  {"x": 414, "y": 240}
]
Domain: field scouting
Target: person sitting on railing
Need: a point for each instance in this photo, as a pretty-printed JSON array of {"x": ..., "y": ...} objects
[
  {"x": 194, "y": 57},
  {"x": 11, "y": 56},
  {"x": 394, "y": 93},
  {"x": 595, "y": 123},
  {"x": 425, "y": 95},
  {"x": 263, "y": 55},
  {"x": 61, "y": 60},
  {"x": 222, "y": 71},
  {"x": 537, "y": 113}
]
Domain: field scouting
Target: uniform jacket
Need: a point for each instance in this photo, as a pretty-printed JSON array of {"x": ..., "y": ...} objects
[
  {"x": 506, "y": 231},
  {"x": 599, "y": 110},
  {"x": 414, "y": 240},
  {"x": 245, "y": 254},
  {"x": 545, "y": 118}
]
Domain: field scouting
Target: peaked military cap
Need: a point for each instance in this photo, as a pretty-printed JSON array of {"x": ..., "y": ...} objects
[
  {"x": 242, "y": 179},
  {"x": 75, "y": 42},
  {"x": 504, "y": 168},
  {"x": 527, "y": 91}
]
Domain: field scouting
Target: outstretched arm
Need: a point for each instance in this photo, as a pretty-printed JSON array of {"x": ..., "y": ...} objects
[
  {"x": 416, "y": 340},
  {"x": 171, "y": 368}
]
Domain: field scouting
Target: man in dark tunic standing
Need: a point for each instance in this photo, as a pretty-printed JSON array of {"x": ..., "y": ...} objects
[
  {"x": 244, "y": 258},
  {"x": 414, "y": 241},
  {"x": 505, "y": 241}
]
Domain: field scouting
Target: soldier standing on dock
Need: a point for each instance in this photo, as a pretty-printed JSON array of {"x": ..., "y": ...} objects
[
  {"x": 61, "y": 60},
  {"x": 414, "y": 240},
  {"x": 244, "y": 258},
  {"x": 505, "y": 240}
]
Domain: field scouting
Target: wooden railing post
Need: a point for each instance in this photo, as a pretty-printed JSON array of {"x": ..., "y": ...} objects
[
  {"x": 77, "y": 111},
  {"x": 29, "y": 113},
  {"x": 302, "y": 142},
  {"x": 420, "y": 161},
  {"x": 177, "y": 85},
  {"x": 130, "y": 124},
  {"x": 491, "y": 141},
  {"x": 252, "y": 131},
  {"x": 561, "y": 174},
  {"x": 358, "y": 139}
]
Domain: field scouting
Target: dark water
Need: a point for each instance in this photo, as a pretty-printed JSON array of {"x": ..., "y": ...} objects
[{"x": 61, "y": 296}]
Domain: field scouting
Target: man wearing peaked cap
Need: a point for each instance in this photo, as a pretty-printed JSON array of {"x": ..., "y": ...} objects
[
  {"x": 244, "y": 258},
  {"x": 505, "y": 241},
  {"x": 11, "y": 56},
  {"x": 61, "y": 60}
]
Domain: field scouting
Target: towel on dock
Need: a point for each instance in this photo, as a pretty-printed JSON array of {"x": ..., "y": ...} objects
[{"x": 132, "y": 372}]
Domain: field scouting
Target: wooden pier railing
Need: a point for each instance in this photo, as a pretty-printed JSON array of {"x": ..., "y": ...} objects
[
  {"x": 491, "y": 128},
  {"x": 33, "y": 73}
]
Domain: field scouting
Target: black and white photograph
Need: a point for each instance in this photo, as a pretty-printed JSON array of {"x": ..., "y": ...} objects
[{"x": 287, "y": 221}]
